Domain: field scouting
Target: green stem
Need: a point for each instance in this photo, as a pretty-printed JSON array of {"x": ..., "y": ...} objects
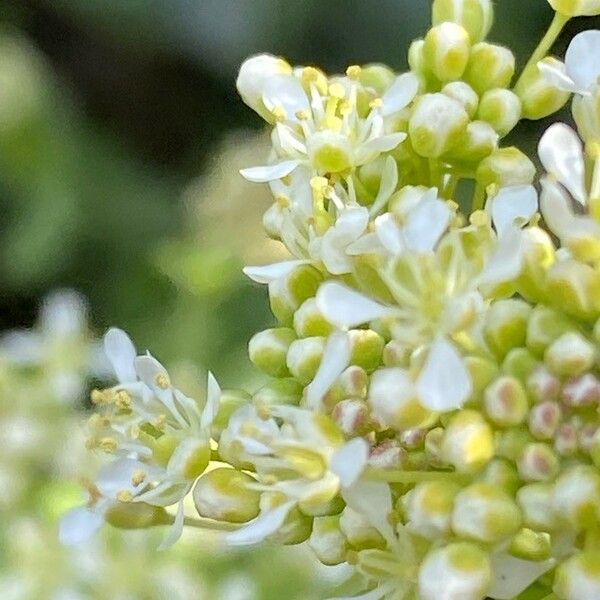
[
  {"x": 555, "y": 29},
  {"x": 414, "y": 476},
  {"x": 210, "y": 525},
  {"x": 478, "y": 197}
]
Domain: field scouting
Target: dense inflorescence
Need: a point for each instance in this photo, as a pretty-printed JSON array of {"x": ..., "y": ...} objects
[{"x": 432, "y": 417}]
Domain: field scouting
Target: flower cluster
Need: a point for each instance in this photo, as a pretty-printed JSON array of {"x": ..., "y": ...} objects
[{"x": 432, "y": 417}]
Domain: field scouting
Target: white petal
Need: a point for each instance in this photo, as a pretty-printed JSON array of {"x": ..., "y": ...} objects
[
  {"x": 581, "y": 59},
  {"x": 555, "y": 207},
  {"x": 121, "y": 353},
  {"x": 263, "y": 526},
  {"x": 176, "y": 529},
  {"x": 270, "y": 273},
  {"x": 349, "y": 461},
  {"x": 384, "y": 143},
  {"x": 387, "y": 185},
  {"x": 351, "y": 223},
  {"x": 425, "y": 225},
  {"x": 289, "y": 141},
  {"x": 389, "y": 234},
  {"x": 78, "y": 525},
  {"x": 511, "y": 575},
  {"x": 117, "y": 475},
  {"x": 213, "y": 398},
  {"x": 165, "y": 493},
  {"x": 506, "y": 261},
  {"x": 513, "y": 205},
  {"x": 555, "y": 72},
  {"x": 561, "y": 153},
  {"x": 336, "y": 358},
  {"x": 400, "y": 94},
  {"x": 367, "y": 244},
  {"x": 269, "y": 172},
  {"x": 346, "y": 308},
  {"x": 444, "y": 383},
  {"x": 285, "y": 91}
]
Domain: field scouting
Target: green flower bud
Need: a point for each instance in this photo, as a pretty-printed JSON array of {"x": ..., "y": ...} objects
[
  {"x": 570, "y": 355},
  {"x": 296, "y": 528},
  {"x": 478, "y": 141},
  {"x": 304, "y": 357},
  {"x": 309, "y": 322},
  {"x": 502, "y": 474},
  {"x": 370, "y": 175},
  {"x": 436, "y": 125},
  {"x": 223, "y": 495},
  {"x": 352, "y": 383},
  {"x": 539, "y": 98},
  {"x": 536, "y": 503},
  {"x": 504, "y": 167},
  {"x": 429, "y": 508},
  {"x": 476, "y": 16},
  {"x": 136, "y": 515},
  {"x": 416, "y": 57},
  {"x": 357, "y": 530},
  {"x": 510, "y": 444},
  {"x": 468, "y": 442},
  {"x": 377, "y": 76},
  {"x": 288, "y": 293},
  {"x": 544, "y": 420},
  {"x": 576, "y": 8},
  {"x": 462, "y": 92},
  {"x": 327, "y": 540},
  {"x": 396, "y": 354},
  {"x": 544, "y": 326},
  {"x": 519, "y": 363},
  {"x": 458, "y": 571},
  {"x": 485, "y": 513},
  {"x": 505, "y": 402},
  {"x": 268, "y": 350},
  {"x": 279, "y": 392},
  {"x": 575, "y": 287},
  {"x": 538, "y": 462},
  {"x": 531, "y": 545},
  {"x": 578, "y": 578},
  {"x": 230, "y": 401},
  {"x": 483, "y": 371},
  {"x": 190, "y": 458},
  {"x": 490, "y": 66},
  {"x": 576, "y": 497},
  {"x": 501, "y": 109},
  {"x": 506, "y": 325},
  {"x": 446, "y": 51},
  {"x": 367, "y": 348}
]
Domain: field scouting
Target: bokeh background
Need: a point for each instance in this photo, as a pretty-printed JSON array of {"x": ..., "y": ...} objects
[{"x": 121, "y": 134}]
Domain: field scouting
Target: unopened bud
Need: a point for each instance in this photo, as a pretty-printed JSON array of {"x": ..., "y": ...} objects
[
  {"x": 351, "y": 416},
  {"x": 506, "y": 325},
  {"x": 268, "y": 350},
  {"x": 310, "y": 322},
  {"x": 389, "y": 454},
  {"x": 359, "y": 533},
  {"x": 304, "y": 357},
  {"x": 576, "y": 8},
  {"x": 482, "y": 371},
  {"x": 446, "y": 50},
  {"x": 279, "y": 392},
  {"x": 136, "y": 515},
  {"x": 230, "y": 402},
  {"x": 538, "y": 462},
  {"x": 536, "y": 503},
  {"x": 519, "y": 363},
  {"x": 297, "y": 526},
  {"x": 462, "y": 92},
  {"x": 544, "y": 326},
  {"x": 366, "y": 348},
  {"x": 416, "y": 57},
  {"x": 505, "y": 167},
  {"x": 476, "y": 16},
  {"x": 327, "y": 540},
  {"x": 578, "y": 577},
  {"x": 478, "y": 141},
  {"x": 490, "y": 66},
  {"x": 429, "y": 508},
  {"x": 377, "y": 76},
  {"x": 502, "y": 474},
  {"x": 396, "y": 354},
  {"x": 436, "y": 124},
  {"x": 544, "y": 420},
  {"x": 570, "y": 355},
  {"x": 512, "y": 442},
  {"x": 543, "y": 385},
  {"x": 505, "y": 402},
  {"x": 501, "y": 109},
  {"x": 576, "y": 497},
  {"x": 566, "y": 442}
]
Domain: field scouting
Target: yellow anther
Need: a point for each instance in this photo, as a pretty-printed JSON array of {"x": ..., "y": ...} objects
[
  {"x": 310, "y": 75},
  {"x": 124, "y": 496},
  {"x": 97, "y": 396},
  {"x": 453, "y": 206},
  {"x": 123, "y": 399},
  {"x": 162, "y": 381},
  {"x": 376, "y": 103},
  {"x": 108, "y": 444},
  {"x": 138, "y": 477},
  {"x": 279, "y": 113},
  {"x": 303, "y": 115},
  {"x": 95, "y": 421},
  {"x": 282, "y": 200},
  {"x": 345, "y": 107},
  {"x": 479, "y": 218},
  {"x": 353, "y": 71},
  {"x": 337, "y": 90},
  {"x": 328, "y": 191},
  {"x": 160, "y": 422},
  {"x": 318, "y": 184}
]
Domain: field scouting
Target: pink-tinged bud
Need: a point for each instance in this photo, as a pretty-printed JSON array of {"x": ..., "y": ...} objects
[
  {"x": 581, "y": 391},
  {"x": 388, "y": 455},
  {"x": 538, "y": 462},
  {"x": 352, "y": 416},
  {"x": 544, "y": 420},
  {"x": 565, "y": 440},
  {"x": 543, "y": 385},
  {"x": 587, "y": 437},
  {"x": 506, "y": 402},
  {"x": 413, "y": 438}
]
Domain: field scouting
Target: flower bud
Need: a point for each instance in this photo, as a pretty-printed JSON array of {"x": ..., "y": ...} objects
[
  {"x": 539, "y": 98},
  {"x": 468, "y": 442},
  {"x": 566, "y": 442},
  {"x": 476, "y": 16},
  {"x": 478, "y": 141},
  {"x": 576, "y": 8},
  {"x": 506, "y": 167},
  {"x": 544, "y": 326},
  {"x": 359, "y": 533},
  {"x": 543, "y": 385},
  {"x": 223, "y": 495},
  {"x": 229, "y": 403},
  {"x": 490, "y": 66},
  {"x": 416, "y": 57},
  {"x": 531, "y": 545},
  {"x": 352, "y": 383},
  {"x": 268, "y": 350},
  {"x": 578, "y": 578},
  {"x": 482, "y": 371},
  {"x": 377, "y": 76},
  {"x": 581, "y": 391},
  {"x": 436, "y": 124},
  {"x": 288, "y": 293},
  {"x": 396, "y": 354},
  {"x": 279, "y": 392},
  {"x": 458, "y": 571},
  {"x": 576, "y": 497},
  {"x": 388, "y": 455},
  {"x": 394, "y": 401},
  {"x": 505, "y": 402},
  {"x": 519, "y": 363},
  {"x": 429, "y": 508},
  {"x": 538, "y": 462},
  {"x": 351, "y": 416},
  {"x": 253, "y": 75},
  {"x": 570, "y": 355},
  {"x": 502, "y": 474},
  {"x": 544, "y": 420},
  {"x": 327, "y": 540},
  {"x": 536, "y": 503},
  {"x": 501, "y": 109},
  {"x": 446, "y": 50},
  {"x": 136, "y": 515},
  {"x": 367, "y": 348},
  {"x": 304, "y": 357},
  {"x": 512, "y": 442},
  {"x": 505, "y": 325},
  {"x": 462, "y": 92},
  {"x": 310, "y": 322},
  {"x": 485, "y": 513}
]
